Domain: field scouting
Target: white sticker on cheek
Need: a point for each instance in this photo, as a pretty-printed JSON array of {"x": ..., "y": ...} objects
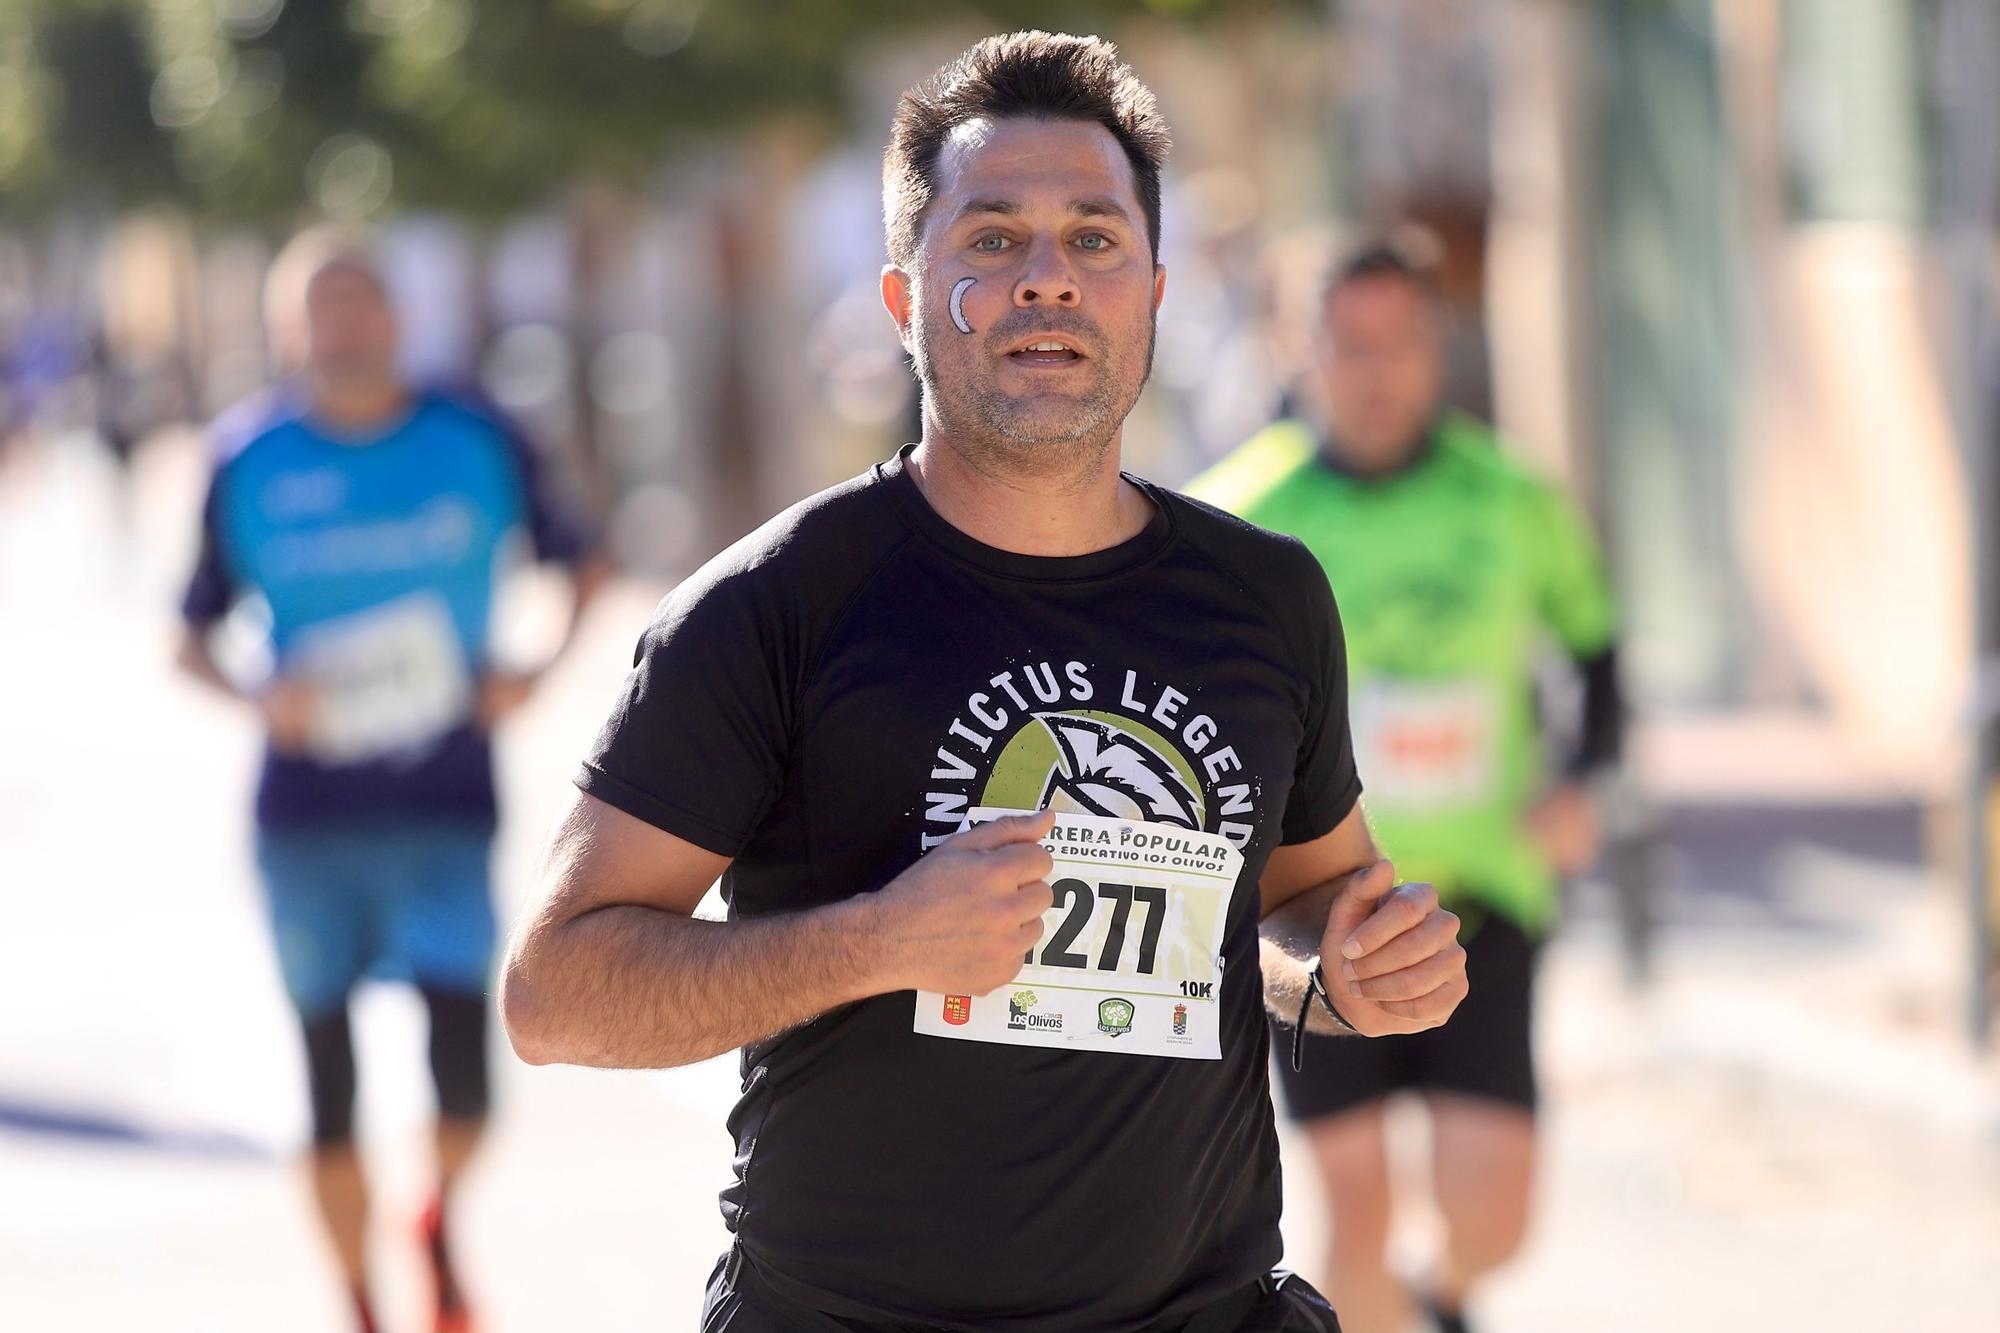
[{"x": 958, "y": 304}]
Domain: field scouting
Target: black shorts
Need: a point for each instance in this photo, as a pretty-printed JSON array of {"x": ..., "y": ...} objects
[
  {"x": 739, "y": 1301},
  {"x": 1484, "y": 1050}
]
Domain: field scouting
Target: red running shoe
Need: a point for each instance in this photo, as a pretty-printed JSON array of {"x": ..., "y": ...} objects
[
  {"x": 452, "y": 1316},
  {"x": 364, "y": 1313}
]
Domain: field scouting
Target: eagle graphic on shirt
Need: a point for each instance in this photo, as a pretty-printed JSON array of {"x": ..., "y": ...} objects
[{"x": 1105, "y": 770}]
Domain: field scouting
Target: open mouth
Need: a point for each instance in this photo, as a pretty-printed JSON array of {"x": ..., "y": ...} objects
[{"x": 1045, "y": 352}]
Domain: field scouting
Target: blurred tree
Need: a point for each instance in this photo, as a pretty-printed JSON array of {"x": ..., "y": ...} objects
[
  {"x": 259, "y": 109},
  {"x": 266, "y": 112},
  {"x": 73, "y": 104}
]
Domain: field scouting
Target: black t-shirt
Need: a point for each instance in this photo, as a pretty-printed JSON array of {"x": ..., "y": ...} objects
[{"x": 824, "y": 701}]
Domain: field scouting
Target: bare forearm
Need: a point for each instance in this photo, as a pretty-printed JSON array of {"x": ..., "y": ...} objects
[
  {"x": 1288, "y": 939},
  {"x": 587, "y": 580},
  {"x": 633, "y": 987}
]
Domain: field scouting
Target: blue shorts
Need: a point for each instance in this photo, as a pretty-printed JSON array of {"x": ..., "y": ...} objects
[{"x": 408, "y": 900}]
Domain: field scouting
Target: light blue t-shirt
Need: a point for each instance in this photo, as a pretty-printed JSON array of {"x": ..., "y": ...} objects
[{"x": 378, "y": 559}]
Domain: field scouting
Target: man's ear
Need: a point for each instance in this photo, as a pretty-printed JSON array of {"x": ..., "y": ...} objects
[
  {"x": 1159, "y": 286},
  {"x": 898, "y": 296}
]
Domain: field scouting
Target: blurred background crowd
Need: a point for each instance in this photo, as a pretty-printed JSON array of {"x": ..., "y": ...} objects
[{"x": 1724, "y": 268}]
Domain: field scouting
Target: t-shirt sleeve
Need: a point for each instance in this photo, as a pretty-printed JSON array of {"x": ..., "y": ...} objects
[
  {"x": 1248, "y": 481},
  {"x": 1326, "y": 785},
  {"x": 698, "y": 741},
  {"x": 211, "y": 588},
  {"x": 557, "y": 530},
  {"x": 1573, "y": 591}
]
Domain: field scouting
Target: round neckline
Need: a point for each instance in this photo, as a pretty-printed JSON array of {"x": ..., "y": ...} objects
[
  {"x": 1419, "y": 456},
  {"x": 1127, "y": 555},
  {"x": 414, "y": 406}
]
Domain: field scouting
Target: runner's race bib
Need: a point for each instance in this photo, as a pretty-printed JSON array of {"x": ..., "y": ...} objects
[
  {"x": 1425, "y": 745},
  {"x": 388, "y": 679},
  {"x": 1130, "y": 957}
]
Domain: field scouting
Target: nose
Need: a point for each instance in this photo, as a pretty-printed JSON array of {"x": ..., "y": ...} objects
[{"x": 1046, "y": 278}]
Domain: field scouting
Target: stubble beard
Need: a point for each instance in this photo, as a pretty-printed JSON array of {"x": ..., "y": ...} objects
[{"x": 998, "y": 432}]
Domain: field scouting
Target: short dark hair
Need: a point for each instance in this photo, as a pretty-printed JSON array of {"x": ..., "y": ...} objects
[
  {"x": 1384, "y": 259},
  {"x": 1034, "y": 74}
]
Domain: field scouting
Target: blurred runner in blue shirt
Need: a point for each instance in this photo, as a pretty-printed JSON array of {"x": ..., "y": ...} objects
[{"x": 373, "y": 522}]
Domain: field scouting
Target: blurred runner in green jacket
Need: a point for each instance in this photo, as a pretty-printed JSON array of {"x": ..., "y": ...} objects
[{"x": 1455, "y": 569}]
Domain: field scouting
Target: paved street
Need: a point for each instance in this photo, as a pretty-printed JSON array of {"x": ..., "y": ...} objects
[{"x": 1785, "y": 1135}]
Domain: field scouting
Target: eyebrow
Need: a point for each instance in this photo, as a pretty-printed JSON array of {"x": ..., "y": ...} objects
[{"x": 1094, "y": 206}]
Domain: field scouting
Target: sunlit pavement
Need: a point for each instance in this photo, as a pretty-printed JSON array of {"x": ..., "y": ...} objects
[{"x": 1784, "y": 1134}]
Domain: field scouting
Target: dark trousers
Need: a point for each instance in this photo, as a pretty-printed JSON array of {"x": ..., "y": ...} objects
[{"x": 738, "y": 1302}]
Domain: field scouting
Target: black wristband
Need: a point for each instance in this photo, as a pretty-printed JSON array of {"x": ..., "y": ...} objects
[{"x": 1315, "y": 986}]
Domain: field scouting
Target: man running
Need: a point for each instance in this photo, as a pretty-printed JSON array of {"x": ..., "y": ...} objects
[
  {"x": 1451, "y": 564},
  {"x": 367, "y": 517},
  {"x": 1000, "y": 1071}
]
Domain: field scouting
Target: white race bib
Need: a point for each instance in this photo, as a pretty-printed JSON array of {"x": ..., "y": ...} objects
[
  {"x": 1130, "y": 957},
  {"x": 386, "y": 679},
  {"x": 1423, "y": 745}
]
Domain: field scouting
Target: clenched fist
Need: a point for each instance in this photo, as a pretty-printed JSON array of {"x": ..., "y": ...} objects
[
  {"x": 502, "y": 694},
  {"x": 962, "y": 919},
  {"x": 1390, "y": 954},
  {"x": 1564, "y": 823},
  {"x": 291, "y": 709}
]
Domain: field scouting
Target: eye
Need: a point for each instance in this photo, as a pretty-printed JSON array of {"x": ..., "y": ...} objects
[
  {"x": 1095, "y": 241},
  {"x": 992, "y": 243}
]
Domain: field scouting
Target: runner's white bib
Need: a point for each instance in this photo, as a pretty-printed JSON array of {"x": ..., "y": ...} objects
[
  {"x": 386, "y": 679},
  {"x": 1424, "y": 745},
  {"x": 1130, "y": 957}
]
